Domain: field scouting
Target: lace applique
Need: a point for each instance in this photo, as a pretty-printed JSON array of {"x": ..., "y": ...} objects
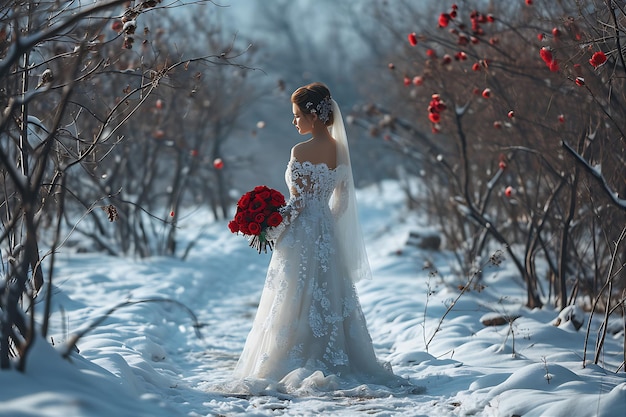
[
  {"x": 311, "y": 184},
  {"x": 309, "y": 312}
]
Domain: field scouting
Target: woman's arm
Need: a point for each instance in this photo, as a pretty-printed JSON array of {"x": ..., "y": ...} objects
[{"x": 295, "y": 204}]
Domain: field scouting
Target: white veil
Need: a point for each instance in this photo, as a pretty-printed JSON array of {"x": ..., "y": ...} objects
[{"x": 343, "y": 203}]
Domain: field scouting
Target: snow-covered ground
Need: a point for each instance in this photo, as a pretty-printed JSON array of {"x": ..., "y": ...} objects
[{"x": 145, "y": 359}]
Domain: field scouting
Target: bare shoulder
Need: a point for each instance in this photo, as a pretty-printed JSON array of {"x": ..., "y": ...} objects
[
  {"x": 300, "y": 151},
  {"x": 316, "y": 152}
]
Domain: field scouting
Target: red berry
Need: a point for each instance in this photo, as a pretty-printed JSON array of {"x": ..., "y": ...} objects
[
  {"x": 546, "y": 55},
  {"x": 554, "y": 66},
  {"x": 486, "y": 93},
  {"x": 556, "y": 32},
  {"x": 497, "y": 124},
  {"x": 218, "y": 163},
  {"x": 172, "y": 213},
  {"x": 434, "y": 117},
  {"x": 511, "y": 114},
  {"x": 502, "y": 165},
  {"x": 580, "y": 81},
  {"x": 508, "y": 191},
  {"x": 444, "y": 20},
  {"x": 117, "y": 26},
  {"x": 412, "y": 39},
  {"x": 561, "y": 118},
  {"x": 578, "y": 69},
  {"x": 418, "y": 80},
  {"x": 159, "y": 104},
  {"x": 461, "y": 56},
  {"x": 597, "y": 59}
]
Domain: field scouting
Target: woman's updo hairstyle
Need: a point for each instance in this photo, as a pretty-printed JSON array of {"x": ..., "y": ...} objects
[{"x": 315, "y": 98}]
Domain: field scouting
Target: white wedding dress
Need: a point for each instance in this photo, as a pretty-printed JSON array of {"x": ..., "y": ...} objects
[{"x": 309, "y": 333}]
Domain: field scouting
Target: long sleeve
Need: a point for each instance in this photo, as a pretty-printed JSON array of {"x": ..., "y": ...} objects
[
  {"x": 340, "y": 199},
  {"x": 289, "y": 212},
  {"x": 298, "y": 183}
]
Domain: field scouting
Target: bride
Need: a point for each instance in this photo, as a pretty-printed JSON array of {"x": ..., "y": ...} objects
[{"x": 309, "y": 332}]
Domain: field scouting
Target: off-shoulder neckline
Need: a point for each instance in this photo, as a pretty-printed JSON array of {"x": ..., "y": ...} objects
[{"x": 309, "y": 163}]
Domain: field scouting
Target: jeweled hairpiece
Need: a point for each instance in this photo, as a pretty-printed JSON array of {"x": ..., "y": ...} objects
[{"x": 322, "y": 110}]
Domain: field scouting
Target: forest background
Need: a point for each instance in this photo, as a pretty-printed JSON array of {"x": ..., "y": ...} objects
[{"x": 119, "y": 117}]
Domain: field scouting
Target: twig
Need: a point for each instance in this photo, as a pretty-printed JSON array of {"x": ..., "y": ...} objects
[
  {"x": 608, "y": 283},
  {"x": 619, "y": 202},
  {"x": 495, "y": 259}
]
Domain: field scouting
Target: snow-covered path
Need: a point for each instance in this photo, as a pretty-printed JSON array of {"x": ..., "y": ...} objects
[
  {"x": 151, "y": 351},
  {"x": 221, "y": 284},
  {"x": 153, "y": 347}
]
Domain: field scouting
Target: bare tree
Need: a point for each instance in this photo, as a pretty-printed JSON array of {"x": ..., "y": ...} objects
[
  {"x": 482, "y": 104},
  {"x": 72, "y": 78}
]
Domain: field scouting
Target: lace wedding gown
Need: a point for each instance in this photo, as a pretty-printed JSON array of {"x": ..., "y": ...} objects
[{"x": 309, "y": 331}]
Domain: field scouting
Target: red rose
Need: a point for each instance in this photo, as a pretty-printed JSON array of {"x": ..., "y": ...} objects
[
  {"x": 264, "y": 195},
  {"x": 278, "y": 200},
  {"x": 256, "y": 210},
  {"x": 257, "y": 205},
  {"x": 275, "y": 219},
  {"x": 233, "y": 226},
  {"x": 254, "y": 228},
  {"x": 244, "y": 201}
]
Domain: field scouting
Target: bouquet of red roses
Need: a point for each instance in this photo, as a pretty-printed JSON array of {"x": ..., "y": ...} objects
[{"x": 256, "y": 211}]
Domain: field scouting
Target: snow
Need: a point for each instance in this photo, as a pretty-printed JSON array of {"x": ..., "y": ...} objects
[{"x": 146, "y": 359}]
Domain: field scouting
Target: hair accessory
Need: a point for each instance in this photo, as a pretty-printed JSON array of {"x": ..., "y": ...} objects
[{"x": 322, "y": 110}]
